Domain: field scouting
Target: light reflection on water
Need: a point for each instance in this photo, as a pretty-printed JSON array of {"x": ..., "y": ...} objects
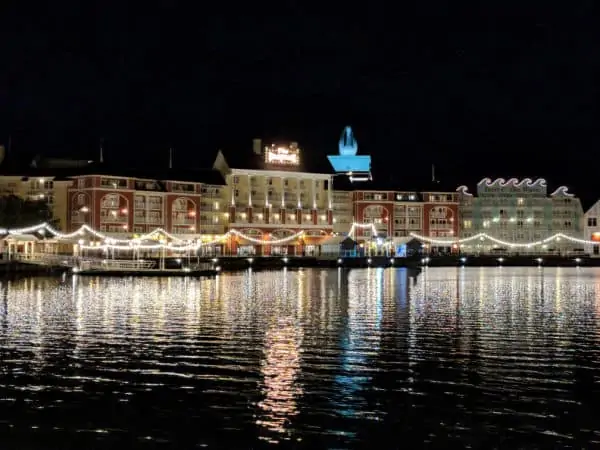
[{"x": 317, "y": 358}]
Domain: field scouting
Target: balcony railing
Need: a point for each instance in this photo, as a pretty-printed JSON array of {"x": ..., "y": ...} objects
[
  {"x": 184, "y": 221},
  {"x": 78, "y": 216},
  {"x": 113, "y": 219},
  {"x": 151, "y": 220}
]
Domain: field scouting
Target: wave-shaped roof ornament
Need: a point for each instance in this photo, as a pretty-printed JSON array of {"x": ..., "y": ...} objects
[
  {"x": 562, "y": 191},
  {"x": 512, "y": 182},
  {"x": 356, "y": 167}
]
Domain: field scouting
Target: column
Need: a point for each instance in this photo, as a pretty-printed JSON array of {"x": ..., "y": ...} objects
[
  {"x": 314, "y": 212},
  {"x": 330, "y": 193},
  {"x": 298, "y": 204},
  {"x": 282, "y": 207},
  {"x": 267, "y": 186},
  {"x": 249, "y": 191},
  {"x": 249, "y": 208}
]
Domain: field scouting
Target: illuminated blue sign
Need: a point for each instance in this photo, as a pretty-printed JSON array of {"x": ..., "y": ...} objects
[{"x": 348, "y": 161}]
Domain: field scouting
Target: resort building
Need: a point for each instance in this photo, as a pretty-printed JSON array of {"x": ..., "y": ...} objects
[
  {"x": 122, "y": 203},
  {"x": 591, "y": 229},
  {"x": 275, "y": 193},
  {"x": 32, "y": 185},
  {"x": 519, "y": 212},
  {"x": 343, "y": 212},
  {"x": 397, "y": 215}
]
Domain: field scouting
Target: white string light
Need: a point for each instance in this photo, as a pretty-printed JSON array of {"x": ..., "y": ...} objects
[
  {"x": 483, "y": 236},
  {"x": 136, "y": 243},
  {"x": 268, "y": 242},
  {"x": 362, "y": 226}
]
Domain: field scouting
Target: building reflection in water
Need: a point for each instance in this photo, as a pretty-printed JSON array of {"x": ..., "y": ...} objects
[
  {"x": 360, "y": 341},
  {"x": 280, "y": 369}
]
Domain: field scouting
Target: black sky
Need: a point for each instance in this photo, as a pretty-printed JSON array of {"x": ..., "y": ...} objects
[{"x": 496, "y": 91}]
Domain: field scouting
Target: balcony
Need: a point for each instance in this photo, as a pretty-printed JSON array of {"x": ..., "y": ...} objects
[
  {"x": 118, "y": 183},
  {"x": 78, "y": 217},
  {"x": 184, "y": 221},
  {"x": 183, "y": 188},
  {"x": 148, "y": 220},
  {"x": 149, "y": 186},
  {"x": 109, "y": 218}
]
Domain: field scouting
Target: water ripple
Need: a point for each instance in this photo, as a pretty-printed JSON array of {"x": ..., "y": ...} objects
[{"x": 481, "y": 358}]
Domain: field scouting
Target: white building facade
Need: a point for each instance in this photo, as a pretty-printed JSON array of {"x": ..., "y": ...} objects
[
  {"x": 271, "y": 198},
  {"x": 518, "y": 212},
  {"x": 591, "y": 230}
]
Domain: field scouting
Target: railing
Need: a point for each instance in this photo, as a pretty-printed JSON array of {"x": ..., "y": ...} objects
[
  {"x": 114, "y": 219},
  {"x": 46, "y": 259},
  {"x": 184, "y": 221},
  {"x": 115, "y": 264}
]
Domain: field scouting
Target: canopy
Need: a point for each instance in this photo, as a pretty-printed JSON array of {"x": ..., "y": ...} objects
[{"x": 21, "y": 238}]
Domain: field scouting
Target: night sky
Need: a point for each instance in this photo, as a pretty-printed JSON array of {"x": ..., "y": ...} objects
[{"x": 496, "y": 91}]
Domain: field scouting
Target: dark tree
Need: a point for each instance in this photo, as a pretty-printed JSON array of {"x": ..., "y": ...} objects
[{"x": 16, "y": 212}]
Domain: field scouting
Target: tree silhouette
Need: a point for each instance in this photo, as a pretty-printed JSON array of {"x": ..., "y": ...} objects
[{"x": 16, "y": 212}]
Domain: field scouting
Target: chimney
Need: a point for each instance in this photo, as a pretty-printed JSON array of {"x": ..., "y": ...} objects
[
  {"x": 170, "y": 158},
  {"x": 101, "y": 152},
  {"x": 432, "y": 173},
  {"x": 257, "y": 146}
]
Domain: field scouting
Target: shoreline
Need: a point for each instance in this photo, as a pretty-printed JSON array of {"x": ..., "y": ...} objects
[{"x": 236, "y": 264}]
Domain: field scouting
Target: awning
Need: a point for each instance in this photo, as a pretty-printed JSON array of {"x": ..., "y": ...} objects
[{"x": 21, "y": 238}]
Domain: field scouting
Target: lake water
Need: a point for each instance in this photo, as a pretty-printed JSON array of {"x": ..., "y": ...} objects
[{"x": 476, "y": 358}]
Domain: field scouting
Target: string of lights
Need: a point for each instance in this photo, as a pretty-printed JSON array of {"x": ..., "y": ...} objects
[
  {"x": 362, "y": 226},
  {"x": 483, "y": 236},
  {"x": 184, "y": 245}
]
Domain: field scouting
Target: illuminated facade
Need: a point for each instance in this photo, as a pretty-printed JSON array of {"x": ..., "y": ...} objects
[
  {"x": 50, "y": 189},
  {"x": 271, "y": 196},
  {"x": 343, "y": 211},
  {"x": 591, "y": 229},
  {"x": 126, "y": 206},
  {"x": 519, "y": 211},
  {"x": 398, "y": 214}
]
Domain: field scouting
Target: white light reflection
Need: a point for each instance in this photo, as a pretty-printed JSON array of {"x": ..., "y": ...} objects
[{"x": 280, "y": 369}]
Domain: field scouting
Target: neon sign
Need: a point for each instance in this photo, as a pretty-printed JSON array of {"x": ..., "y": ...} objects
[{"x": 282, "y": 155}]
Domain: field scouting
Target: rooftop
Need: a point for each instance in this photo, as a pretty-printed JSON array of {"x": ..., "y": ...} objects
[
  {"x": 254, "y": 159},
  {"x": 68, "y": 171}
]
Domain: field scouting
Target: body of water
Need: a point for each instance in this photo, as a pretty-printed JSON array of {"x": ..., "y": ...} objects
[{"x": 476, "y": 358}]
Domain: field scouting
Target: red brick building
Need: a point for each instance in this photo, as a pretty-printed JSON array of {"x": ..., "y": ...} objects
[
  {"x": 398, "y": 214},
  {"x": 126, "y": 205}
]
